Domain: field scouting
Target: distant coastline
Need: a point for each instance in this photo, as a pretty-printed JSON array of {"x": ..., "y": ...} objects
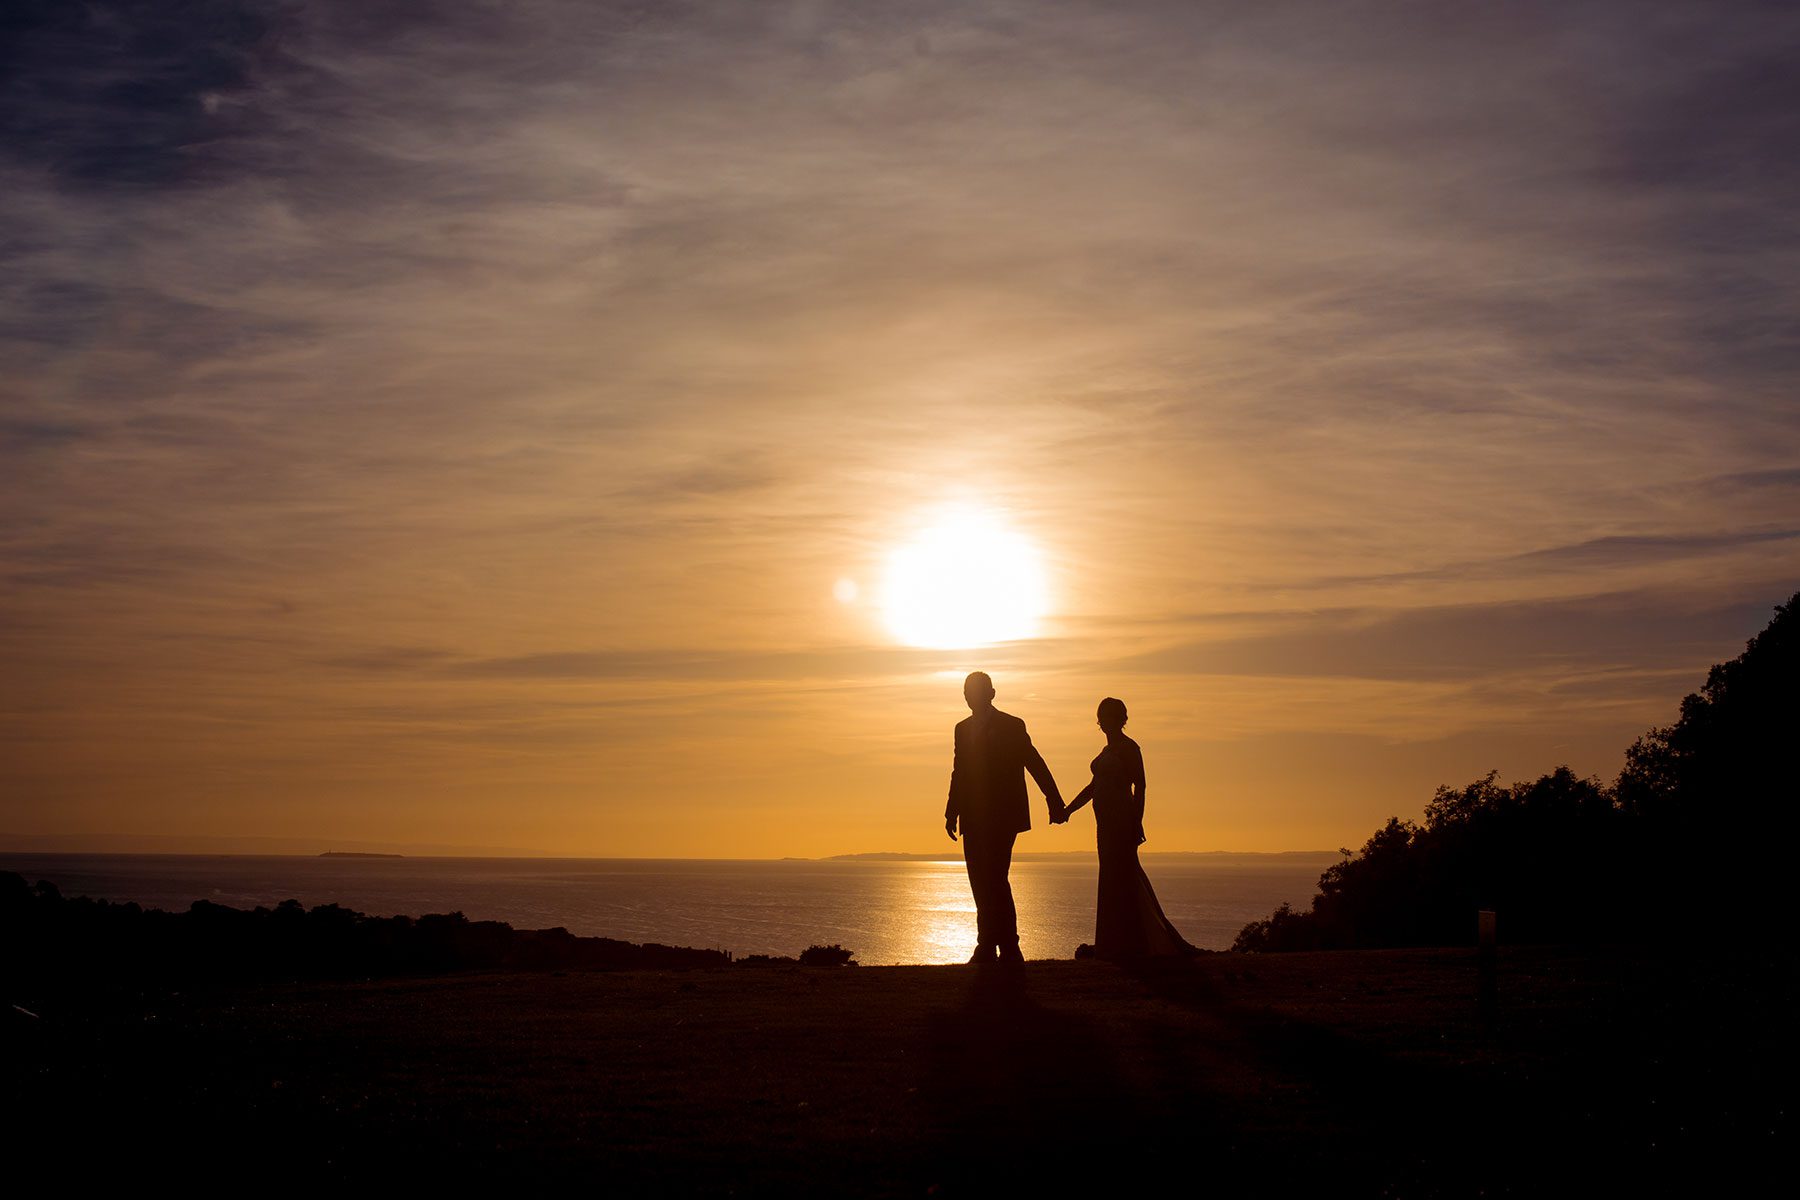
[
  {"x": 356, "y": 854},
  {"x": 1247, "y": 856}
]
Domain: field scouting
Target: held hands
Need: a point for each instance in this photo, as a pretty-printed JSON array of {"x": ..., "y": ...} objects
[{"x": 1059, "y": 812}]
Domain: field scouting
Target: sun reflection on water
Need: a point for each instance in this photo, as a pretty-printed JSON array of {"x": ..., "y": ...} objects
[
  {"x": 931, "y": 915},
  {"x": 925, "y": 913}
]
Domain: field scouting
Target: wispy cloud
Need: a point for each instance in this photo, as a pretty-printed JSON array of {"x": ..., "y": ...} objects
[
  {"x": 1468, "y": 642},
  {"x": 561, "y": 347}
]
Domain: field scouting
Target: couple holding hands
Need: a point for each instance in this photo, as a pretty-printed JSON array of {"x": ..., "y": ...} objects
[{"x": 988, "y": 805}]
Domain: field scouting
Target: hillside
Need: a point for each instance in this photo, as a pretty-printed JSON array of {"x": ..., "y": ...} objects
[{"x": 1348, "y": 1073}]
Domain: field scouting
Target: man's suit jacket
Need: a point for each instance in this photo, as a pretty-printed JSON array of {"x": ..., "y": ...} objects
[{"x": 987, "y": 782}]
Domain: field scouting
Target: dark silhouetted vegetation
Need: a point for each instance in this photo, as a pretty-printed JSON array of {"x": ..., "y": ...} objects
[
  {"x": 80, "y": 937},
  {"x": 1691, "y": 838},
  {"x": 833, "y": 955}
]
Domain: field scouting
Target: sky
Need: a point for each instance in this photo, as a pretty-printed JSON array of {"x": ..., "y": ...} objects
[{"x": 487, "y": 425}]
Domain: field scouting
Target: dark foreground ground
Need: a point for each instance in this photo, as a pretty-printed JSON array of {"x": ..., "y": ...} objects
[{"x": 1348, "y": 1073}]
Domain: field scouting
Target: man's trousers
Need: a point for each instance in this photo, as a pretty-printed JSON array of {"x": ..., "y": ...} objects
[{"x": 989, "y": 858}]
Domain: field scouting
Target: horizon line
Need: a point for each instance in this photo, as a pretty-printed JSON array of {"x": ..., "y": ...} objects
[{"x": 509, "y": 853}]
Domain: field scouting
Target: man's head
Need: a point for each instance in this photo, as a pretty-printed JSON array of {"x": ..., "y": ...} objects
[{"x": 978, "y": 690}]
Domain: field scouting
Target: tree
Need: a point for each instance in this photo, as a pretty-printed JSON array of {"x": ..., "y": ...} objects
[
  {"x": 1735, "y": 740},
  {"x": 1694, "y": 831}
]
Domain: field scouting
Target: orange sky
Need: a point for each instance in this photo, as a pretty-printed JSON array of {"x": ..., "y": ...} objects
[{"x": 452, "y": 433}]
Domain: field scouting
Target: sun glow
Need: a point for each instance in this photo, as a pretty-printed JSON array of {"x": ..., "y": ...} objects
[{"x": 966, "y": 580}]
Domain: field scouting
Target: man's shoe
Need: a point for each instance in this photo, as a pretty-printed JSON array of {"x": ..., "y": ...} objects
[
  {"x": 1010, "y": 956},
  {"x": 982, "y": 956}
]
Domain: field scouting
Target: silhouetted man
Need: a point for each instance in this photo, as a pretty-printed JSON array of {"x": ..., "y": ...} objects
[{"x": 988, "y": 800}]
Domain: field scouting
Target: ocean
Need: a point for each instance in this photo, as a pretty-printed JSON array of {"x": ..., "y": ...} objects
[{"x": 886, "y": 910}]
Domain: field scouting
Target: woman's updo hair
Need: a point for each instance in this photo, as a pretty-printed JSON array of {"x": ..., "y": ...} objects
[{"x": 1111, "y": 713}]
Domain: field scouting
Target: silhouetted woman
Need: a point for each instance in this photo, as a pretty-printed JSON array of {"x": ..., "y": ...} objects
[{"x": 1128, "y": 922}]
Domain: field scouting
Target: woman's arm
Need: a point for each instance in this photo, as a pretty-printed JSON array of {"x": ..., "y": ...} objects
[
  {"x": 1081, "y": 797},
  {"x": 1137, "y": 782}
]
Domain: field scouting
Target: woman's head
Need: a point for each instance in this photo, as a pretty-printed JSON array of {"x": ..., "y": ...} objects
[{"x": 1111, "y": 714}]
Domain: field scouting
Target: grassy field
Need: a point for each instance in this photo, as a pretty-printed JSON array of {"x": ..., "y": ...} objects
[{"x": 1349, "y": 1073}]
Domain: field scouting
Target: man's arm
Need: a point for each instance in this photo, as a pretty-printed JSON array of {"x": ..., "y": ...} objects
[{"x": 1040, "y": 771}]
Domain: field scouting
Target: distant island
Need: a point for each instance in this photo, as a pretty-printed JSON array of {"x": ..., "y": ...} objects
[{"x": 356, "y": 854}]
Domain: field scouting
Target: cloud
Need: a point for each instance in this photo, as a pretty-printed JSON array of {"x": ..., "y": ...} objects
[
  {"x": 592, "y": 343},
  {"x": 873, "y": 664},
  {"x": 1778, "y": 479},
  {"x": 1616, "y": 551},
  {"x": 1627, "y": 549},
  {"x": 127, "y": 96},
  {"x": 739, "y": 474},
  {"x": 22, "y": 435},
  {"x": 1466, "y": 642}
]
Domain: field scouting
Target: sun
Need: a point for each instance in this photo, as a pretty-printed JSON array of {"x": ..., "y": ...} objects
[{"x": 966, "y": 580}]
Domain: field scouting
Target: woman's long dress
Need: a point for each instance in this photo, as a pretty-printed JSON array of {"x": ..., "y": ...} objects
[{"x": 1128, "y": 921}]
